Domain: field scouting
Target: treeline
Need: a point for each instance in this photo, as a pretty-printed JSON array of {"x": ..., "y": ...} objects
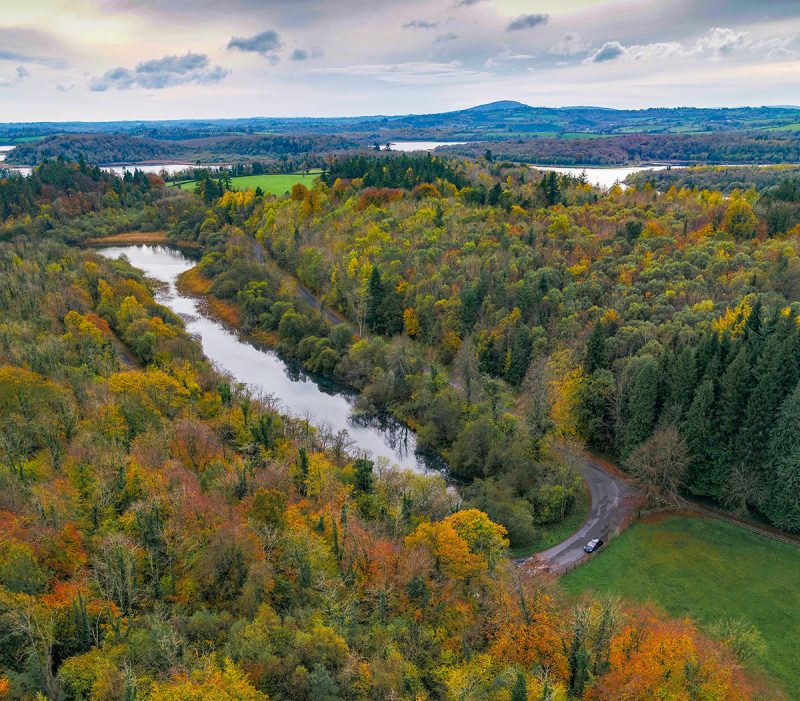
[
  {"x": 734, "y": 398},
  {"x": 404, "y": 170},
  {"x": 166, "y": 535},
  {"x": 236, "y": 170},
  {"x": 724, "y": 179},
  {"x": 120, "y": 148},
  {"x": 62, "y": 189},
  {"x": 633, "y": 149},
  {"x": 96, "y": 148}
]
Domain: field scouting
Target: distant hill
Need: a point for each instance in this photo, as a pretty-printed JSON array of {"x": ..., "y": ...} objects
[
  {"x": 499, "y": 105},
  {"x": 504, "y": 119},
  {"x": 513, "y": 129}
]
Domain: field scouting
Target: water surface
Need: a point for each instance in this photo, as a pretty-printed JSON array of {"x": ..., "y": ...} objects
[
  {"x": 409, "y": 146},
  {"x": 601, "y": 177},
  {"x": 297, "y": 393}
]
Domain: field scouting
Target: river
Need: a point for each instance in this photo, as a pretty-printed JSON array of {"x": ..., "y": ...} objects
[{"x": 297, "y": 393}]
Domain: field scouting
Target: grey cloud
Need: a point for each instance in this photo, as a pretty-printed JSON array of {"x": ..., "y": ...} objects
[
  {"x": 305, "y": 54},
  {"x": 6, "y": 55},
  {"x": 527, "y": 22},
  {"x": 569, "y": 45},
  {"x": 29, "y": 46},
  {"x": 18, "y": 76},
  {"x": 443, "y": 38},
  {"x": 420, "y": 24},
  {"x": 607, "y": 52},
  {"x": 161, "y": 73},
  {"x": 265, "y": 43}
]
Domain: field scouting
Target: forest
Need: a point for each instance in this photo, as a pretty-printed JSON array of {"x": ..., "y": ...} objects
[
  {"x": 493, "y": 315},
  {"x": 724, "y": 179},
  {"x": 169, "y": 535},
  {"x": 106, "y": 149},
  {"x": 631, "y": 149}
]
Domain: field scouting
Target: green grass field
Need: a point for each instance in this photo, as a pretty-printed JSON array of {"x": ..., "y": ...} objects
[
  {"x": 784, "y": 127},
  {"x": 583, "y": 135},
  {"x": 275, "y": 184},
  {"x": 711, "y": 571}
]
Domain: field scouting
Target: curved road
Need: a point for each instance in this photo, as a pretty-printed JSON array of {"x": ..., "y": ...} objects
[{"x": 613, "y": 499}]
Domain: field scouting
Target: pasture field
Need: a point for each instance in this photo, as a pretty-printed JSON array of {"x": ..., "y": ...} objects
[
  {"x": 274, "y": 184},
  {"x": 709, "y": 570}
]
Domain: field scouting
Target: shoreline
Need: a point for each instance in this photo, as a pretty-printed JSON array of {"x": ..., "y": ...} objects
[{"x": 141, "y": 238}]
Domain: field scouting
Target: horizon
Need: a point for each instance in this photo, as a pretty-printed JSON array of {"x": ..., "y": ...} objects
[
  {"x": 377, "y": 115},
  {"x": 119, "y": 60}
]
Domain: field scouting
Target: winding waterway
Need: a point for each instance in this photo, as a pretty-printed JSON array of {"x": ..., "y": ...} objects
[{"x": 296, "y": 392}]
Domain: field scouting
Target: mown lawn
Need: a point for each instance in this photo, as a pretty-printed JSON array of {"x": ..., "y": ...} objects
[
  {"x": 275, "y": 184},
  {"x": 708, "y": 570}
]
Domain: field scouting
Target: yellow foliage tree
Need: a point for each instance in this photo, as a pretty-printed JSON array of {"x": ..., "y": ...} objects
[{"x": 214, "y": 683}]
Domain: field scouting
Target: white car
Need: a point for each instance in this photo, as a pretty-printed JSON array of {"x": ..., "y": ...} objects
[{"x": 592, "y": 545}]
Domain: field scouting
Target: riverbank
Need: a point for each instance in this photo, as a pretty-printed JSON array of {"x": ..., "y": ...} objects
[
  {"x": 132, "y": 238},
  {"x": 594, "y": 491},
  {"x": 308, "y": 397},
  {"x": 143, "y": 238}
]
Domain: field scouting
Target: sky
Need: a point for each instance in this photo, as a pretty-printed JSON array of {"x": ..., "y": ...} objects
[{"x": 98, "y": 60}]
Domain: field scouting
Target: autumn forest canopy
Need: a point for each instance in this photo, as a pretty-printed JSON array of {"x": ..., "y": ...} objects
[{"x": 166, "y": 533}]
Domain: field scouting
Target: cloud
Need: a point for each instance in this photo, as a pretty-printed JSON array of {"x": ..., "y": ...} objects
[
  {"x": 569, "y": 45},
  {"x": 411, "y": 73},
  {"x": 444, "y": 38},
  {"x": 14, "y": 79},
  {"x": 30, "y": 46},
  {"x": 161, "y": 73},
  {"x": 305, "y": 54},
  {"x": 609, "y": 51},
  {"x": 265, "y": 44},
  {"x": 721, "y": 41},
  {"x": 507, "y": 57},
  {"x": 527, "y": 22},
  {"x": 420, "y": 24},
  {"x": 467, "y": 3},
  {"x": 713, "y": 44}
]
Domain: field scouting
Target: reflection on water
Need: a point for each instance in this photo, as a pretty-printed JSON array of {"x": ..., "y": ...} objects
[{"x": 296, "y": 392}]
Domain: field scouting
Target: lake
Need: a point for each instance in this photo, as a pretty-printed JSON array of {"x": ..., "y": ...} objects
[
  {"x": 156, "y": 168},
  {"x": 409, "y": 146},
  {"x": 296, "y": 392},
  {"x": 601, "y": 177}
]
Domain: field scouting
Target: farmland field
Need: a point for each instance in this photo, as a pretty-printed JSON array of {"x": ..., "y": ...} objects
[
  {"x": 274, "y": 184},
  {"x": 710, "y": 571}
]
